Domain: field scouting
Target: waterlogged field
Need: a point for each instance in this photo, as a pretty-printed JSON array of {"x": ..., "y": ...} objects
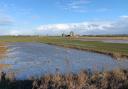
[
  {"x": 93, "y": 66},
  {"x": 105, "y": 39},
  {"x": 117, "y": 50},
  {"x": 34, "y": 59}
]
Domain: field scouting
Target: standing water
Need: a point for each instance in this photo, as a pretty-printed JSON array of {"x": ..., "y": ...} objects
[{"x": 35, "y": 59}]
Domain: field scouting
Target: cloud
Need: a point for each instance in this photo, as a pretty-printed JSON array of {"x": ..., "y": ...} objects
[
  {"x": 17, "y": 32},
  {"x": 74, "y": 5},
  {"x": 14, "y": 32},
  {"x": 6, "y": 20},
  {"x": 124, "y": 16},
  {"x": 119, "y": 26},
  {"x": 80, "y": 6},
  {"x": 79, "y": 28},
  {"x": 5, "y": 17}
]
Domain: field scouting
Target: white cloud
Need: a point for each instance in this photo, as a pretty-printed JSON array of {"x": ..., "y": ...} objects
[
  {"x": 5, "y": 17},
  {"x": 6, "y": 20},
  {"x": 124, "y": 16},
  {"x": 80, "y": 6},
  {"x": 54, "y": 26},
  {"x": 74, "y": 5},
  {"x": 20, "y": 32},
  {"x": 119, "y": 26},
  {"x": 14, "y": 32},
  {"x": 96, "y": 27}
]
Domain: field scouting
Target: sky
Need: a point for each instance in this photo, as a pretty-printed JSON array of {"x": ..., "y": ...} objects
[{"x": 54, "y": 17}]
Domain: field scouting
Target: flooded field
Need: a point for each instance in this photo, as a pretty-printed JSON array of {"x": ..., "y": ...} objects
[
  {"x": 106, "y": 40},
  {"x": 34, "y": 59},
  {"x": 115, "y": 41}
]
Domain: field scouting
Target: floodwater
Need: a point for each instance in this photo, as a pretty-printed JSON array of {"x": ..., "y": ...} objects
[
  {"x": 115, "y": 41},
  {"x": 35, "y": 59},
  {"x": 106, "y": 40}
]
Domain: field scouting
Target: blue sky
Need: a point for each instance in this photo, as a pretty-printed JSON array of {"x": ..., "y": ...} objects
[{"x": 32, "y": 17}]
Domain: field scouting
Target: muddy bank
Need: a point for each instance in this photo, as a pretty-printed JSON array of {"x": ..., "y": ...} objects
[
  {"x": 3, "y": 66},
  {"x": 3, "y": 49}
]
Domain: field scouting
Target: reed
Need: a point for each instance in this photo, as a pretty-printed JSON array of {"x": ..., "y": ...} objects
[{"x": 116, "y": 79}]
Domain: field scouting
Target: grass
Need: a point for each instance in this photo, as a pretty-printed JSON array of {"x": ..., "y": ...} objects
[
  {"x": 117, "y": 50},
  {"x": 116, "y": 79}
]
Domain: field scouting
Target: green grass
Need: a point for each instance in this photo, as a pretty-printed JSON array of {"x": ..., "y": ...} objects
[{"x": 113, "y": 49}]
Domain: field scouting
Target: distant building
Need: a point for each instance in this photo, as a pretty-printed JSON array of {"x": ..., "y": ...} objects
[
  {"x": 67, "y": 36},
  {"x": 71, "y": 33}
]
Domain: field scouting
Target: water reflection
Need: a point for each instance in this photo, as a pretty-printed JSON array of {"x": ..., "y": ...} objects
[
  {"x": 106, "y": 40},
  {"x": 34, "y": 59},
  {"x": 115, "y": 41}
]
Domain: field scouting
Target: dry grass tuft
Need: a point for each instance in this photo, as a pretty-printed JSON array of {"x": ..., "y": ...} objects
[{"x": 116, "y": 79}]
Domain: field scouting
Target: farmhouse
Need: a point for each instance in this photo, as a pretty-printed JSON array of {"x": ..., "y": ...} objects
[{"x": 71, "y": 34}]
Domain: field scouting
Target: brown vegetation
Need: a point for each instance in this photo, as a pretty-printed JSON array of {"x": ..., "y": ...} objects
[
  {"x": 116, "y": 79},
  {"x": 3, "y": 49},
  {"x": 2, "y": 66}
]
